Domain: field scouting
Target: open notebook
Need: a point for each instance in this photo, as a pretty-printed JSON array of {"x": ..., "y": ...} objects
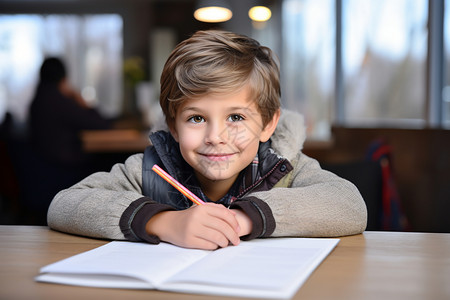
[{"x": 262, "y": 268}]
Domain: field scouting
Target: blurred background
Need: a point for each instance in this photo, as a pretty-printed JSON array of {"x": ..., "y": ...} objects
[{"x": 371, "y": 77}]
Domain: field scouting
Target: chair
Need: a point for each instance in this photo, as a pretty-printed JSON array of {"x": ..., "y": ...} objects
[{"x": 367, "y": 177}]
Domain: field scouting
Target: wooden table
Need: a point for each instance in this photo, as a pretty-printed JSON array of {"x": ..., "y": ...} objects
[{"x": 373, "y": 265}]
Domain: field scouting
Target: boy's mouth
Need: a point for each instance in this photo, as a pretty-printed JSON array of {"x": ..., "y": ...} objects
[{"x": 217, "y": 156}]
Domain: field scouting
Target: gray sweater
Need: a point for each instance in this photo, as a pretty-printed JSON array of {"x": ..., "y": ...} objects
[{"x": 310, "y": 202}]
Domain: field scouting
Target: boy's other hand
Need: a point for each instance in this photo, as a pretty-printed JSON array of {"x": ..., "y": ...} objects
[
  {"x": 245, "y": 223},
  {"x": 208, "y": 226}
]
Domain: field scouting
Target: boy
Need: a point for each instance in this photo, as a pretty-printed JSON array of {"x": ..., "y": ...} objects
[{"x": 227, "y": 143}]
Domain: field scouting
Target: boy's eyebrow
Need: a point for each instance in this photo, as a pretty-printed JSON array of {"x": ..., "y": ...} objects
[
  {"x": 191, "y": 108},
  {"x": 199, "y": 109}
]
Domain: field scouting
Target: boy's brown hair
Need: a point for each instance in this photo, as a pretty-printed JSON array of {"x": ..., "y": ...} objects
[{"x": 216, "y": 61}]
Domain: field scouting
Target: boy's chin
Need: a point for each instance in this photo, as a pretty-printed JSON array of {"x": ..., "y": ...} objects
[{"x": 215, "y": 176}]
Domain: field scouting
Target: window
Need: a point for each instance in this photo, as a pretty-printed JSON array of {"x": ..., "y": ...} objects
[
  {"x": 384, "y": 57},
  {"x": 308, "y": 61},
  {"x": 90, "y": 45},
  {"x": 366, "y": 63}
]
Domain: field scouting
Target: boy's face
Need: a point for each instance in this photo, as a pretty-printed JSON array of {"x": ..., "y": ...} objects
[{"x": 219, "y": 135}]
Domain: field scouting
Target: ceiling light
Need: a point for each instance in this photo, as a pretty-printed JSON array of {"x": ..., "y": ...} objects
[
  {"x": 259, "y": 13},
  {"x": 213, "y": 11}
]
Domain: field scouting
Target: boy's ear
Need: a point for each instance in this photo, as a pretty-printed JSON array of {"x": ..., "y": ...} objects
[{"x": 270, "y": 127}]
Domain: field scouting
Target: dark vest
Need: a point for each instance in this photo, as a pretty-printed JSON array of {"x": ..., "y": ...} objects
[{"x": 153, "y": 185}]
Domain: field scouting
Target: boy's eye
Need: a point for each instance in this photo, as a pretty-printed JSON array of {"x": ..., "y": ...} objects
[
  {"x": 235, "y": 118},
  {"x": 196, "y": 119}
]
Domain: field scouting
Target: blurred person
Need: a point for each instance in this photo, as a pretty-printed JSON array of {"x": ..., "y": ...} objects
[{"x": 57, "y": 115}]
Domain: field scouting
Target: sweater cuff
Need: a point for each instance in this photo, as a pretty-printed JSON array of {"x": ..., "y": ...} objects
[
  {"x": 259, "y": 213},
  {"x": 135, "y": 217}
]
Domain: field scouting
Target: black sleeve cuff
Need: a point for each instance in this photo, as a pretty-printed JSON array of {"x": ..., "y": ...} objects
[
  {"x": 259, "y": 213},
  {"x": 135, "y": 217}
]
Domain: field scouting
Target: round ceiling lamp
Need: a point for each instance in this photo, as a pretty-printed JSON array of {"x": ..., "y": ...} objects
[
  {"x": 259, "y": 13},
  {"x": 213, "y": 11}
]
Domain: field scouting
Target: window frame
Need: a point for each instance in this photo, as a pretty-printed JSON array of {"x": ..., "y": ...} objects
[{"x": 433, "y": 114}]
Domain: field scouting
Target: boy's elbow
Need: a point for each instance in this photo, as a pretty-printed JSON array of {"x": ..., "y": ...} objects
[
  {"x": 351, "y": 216},
  {"x": 354, "y": 221},
  {"x": 358, "y": 223},
  {"x": 357, "y": 213}
]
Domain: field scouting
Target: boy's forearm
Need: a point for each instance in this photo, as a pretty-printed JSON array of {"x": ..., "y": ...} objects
[{"x": 324, "y": 210}]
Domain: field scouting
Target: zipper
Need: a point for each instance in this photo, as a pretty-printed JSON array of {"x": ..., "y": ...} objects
[{"x": 258, "y": 182}]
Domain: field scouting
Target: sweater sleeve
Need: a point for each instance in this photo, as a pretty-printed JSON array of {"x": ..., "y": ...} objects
[
  {"x": 94, "y": 206},
  {"x": 134, "y": 219},
  {"x": 317, "y": 203},
  {"x": 260, "y": 215}
]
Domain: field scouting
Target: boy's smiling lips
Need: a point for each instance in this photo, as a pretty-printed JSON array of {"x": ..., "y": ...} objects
[{"x": 217, "y": 156}]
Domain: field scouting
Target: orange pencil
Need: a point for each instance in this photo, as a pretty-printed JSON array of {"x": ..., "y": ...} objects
[{"x": 191, "y": 196}]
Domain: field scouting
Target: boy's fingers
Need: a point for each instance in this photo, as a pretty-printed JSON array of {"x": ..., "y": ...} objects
[
  {"x": 221, "y": 233},
  {"x": 219, "y": 239},
  {"x": 212, "y": 224},
  {"x": 215, "y": 237},
  {"x": 227, "y": 215},
  {"x": 202, "y": 243}
]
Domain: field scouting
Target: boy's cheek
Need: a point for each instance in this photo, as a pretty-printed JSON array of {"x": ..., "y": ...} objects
[
  {"x": 243, "y": 142},
  {"x": 189, "y": 143}
]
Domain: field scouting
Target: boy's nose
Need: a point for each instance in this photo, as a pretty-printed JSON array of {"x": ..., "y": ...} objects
[{"x": 216, "y": 134}]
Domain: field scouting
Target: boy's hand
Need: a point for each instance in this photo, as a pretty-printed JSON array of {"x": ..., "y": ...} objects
[
  {"x": 208, "y": 226},
  {"x": 245, "y": 224}
]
